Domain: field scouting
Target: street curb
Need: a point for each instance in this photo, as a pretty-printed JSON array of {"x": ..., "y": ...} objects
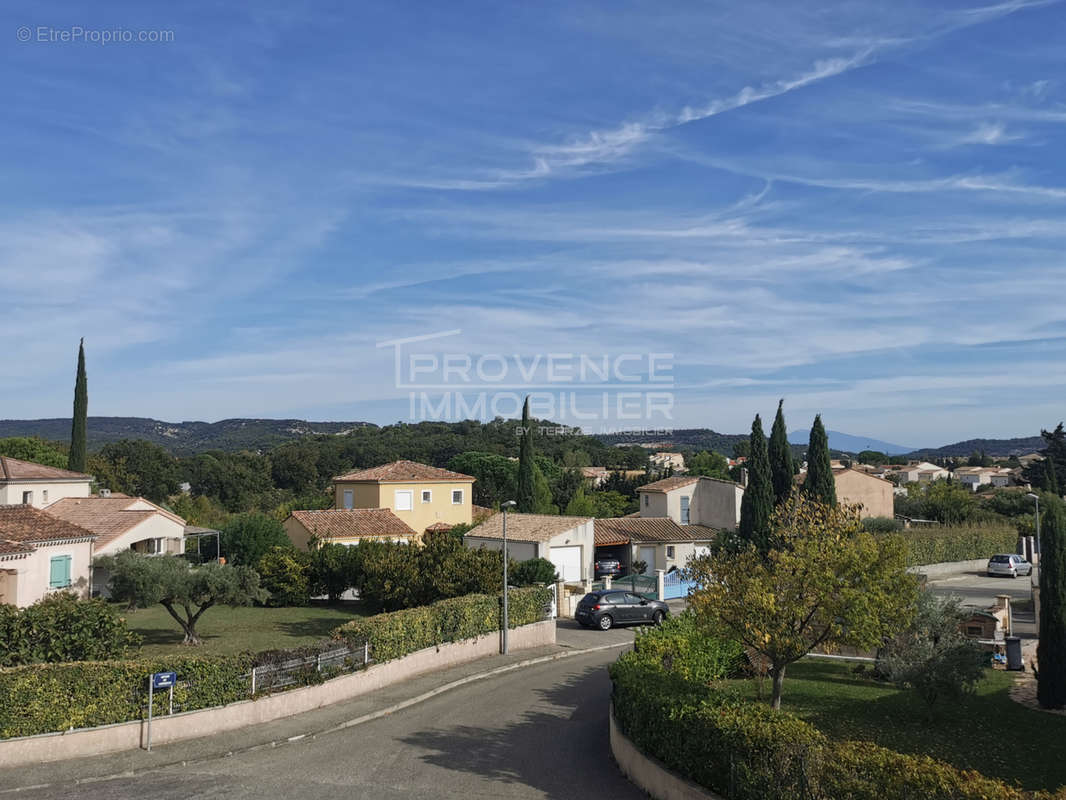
[{"x": 384, "y": 712}]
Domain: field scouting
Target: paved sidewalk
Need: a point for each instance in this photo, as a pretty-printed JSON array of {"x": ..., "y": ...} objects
[{"x": 311, "y": 724}]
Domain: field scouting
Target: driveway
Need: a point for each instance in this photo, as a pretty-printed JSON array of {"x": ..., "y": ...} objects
[
  {"x": 538, "y": 732},
  {"x": 977, "y": 589}
]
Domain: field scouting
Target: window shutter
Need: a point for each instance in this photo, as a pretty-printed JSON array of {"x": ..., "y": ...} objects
[{"x": 59, "y": 572}]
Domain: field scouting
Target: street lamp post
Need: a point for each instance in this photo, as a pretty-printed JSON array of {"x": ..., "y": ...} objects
[{"x": 505, "y": 507}]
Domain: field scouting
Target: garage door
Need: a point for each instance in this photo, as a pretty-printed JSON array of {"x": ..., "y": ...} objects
[{"x": 567, "y": 561}]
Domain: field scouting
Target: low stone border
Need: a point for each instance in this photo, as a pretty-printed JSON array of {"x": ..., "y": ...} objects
[
  {"x": 650, "y": 774},
  {"x": 206, "y": 722},
  {"x": 950, "y": 567}
]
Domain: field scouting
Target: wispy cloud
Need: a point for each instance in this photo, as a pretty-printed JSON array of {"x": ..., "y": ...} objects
[{"x": 990, "y": 133}]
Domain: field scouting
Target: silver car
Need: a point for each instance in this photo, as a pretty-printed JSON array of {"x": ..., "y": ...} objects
[{"x": 1010, "y": 564}]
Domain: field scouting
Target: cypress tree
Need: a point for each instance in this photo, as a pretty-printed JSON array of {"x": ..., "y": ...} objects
[
  {"x": 757, "y": 505},
  {"x": 781, "y": 469},
  {"x": 819, "y": 485},
  {"x": 76, "y": 460},
  {"x": 1051, "y": 650},
  {"x": 527, "y": 490},
  {"x": 1051, "y": 481}
]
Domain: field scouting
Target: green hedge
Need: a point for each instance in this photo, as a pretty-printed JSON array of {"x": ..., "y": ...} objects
[
  {"x": 82, "y": 694},
  {"x": 681, "y": 646},
  {"x": 934, "y": 545},
  {"x": 398, "y": 633},
  {"x": 746, "y": 751},
  {"x": 62, "y": 627}
]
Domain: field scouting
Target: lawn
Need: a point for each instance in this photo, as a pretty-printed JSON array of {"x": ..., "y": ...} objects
[
  {"x": 232, "y": 630},
  {"x": 988, "y": 732}
]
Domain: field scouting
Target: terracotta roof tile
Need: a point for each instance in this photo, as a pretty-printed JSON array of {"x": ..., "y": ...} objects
[
  {"x": 9, "y": 548},
  {"x": 107, "y": 517},
  {"x": 642, "y": 529},
  {"x": 14, "y": 469},
  {"x": 354, "y": 523},
  {"x": 405, "y": 472},
  {"x": 28, "y": 525},
  {"x": 669, "y": 484},
  {"x": 527, "y": 527},
  {"x": 439, "y": 526}
]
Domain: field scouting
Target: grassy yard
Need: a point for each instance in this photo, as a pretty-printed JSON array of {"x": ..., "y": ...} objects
[
  {"x": 988, "y": 732},
  {"x": 231, "y": 630}
]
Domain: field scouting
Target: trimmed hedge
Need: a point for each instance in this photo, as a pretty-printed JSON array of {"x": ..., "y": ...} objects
[
  {"x": 934, "y": 545},
  {"x": 62, "y": 627},
  {"x": 695, "y": 655},
  {"x": 56, "y": 697},
  {"x": 398, "y": 633},
  {"x": 747, "y": 751}
]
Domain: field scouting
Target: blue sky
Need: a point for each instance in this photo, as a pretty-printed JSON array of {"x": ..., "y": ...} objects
[{"x": 856, "y": 206}]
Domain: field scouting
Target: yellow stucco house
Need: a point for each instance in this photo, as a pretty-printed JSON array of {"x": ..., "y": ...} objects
[{"x": 421, "y": 496}]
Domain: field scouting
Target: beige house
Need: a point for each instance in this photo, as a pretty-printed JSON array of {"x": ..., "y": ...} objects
[
  {"x": 121, "y": 522},
  {"x": 347, "y": 526},
  {"x": 666, "y": 460},
  {"x": 420, "y": 495},
  {"x": 568, "y": 542},
  {"x": 657, "y": 541},
  {"x": 919, "y": 472},
  {"x": 39, "y": 554},
  {"x": 875, "y": 495},
  {"x": 693, "y": 500},
  {"x": 27, "y": 483}
]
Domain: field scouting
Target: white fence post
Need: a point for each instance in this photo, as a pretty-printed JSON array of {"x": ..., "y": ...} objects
[
  {"x": 606, "y": 581},
  {"x": 660, "y": 582},
  {"x": 253, "y": 681},
  {"x": 366, "y": 653}
]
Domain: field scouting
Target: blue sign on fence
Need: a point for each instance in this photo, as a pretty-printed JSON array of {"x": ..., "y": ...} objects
[{"x": 164, "y": 680}]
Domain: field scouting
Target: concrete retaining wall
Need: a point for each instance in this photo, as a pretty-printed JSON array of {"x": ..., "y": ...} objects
[
  {"x": 194, "y": 724},
  {"x": 649, "y": 774},
  {"x": 950, "y": 567}
]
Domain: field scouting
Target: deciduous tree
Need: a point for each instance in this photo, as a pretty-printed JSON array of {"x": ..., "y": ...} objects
[
  {"x": 826, "y": 582},
  {"x": 247, "y": 537}
]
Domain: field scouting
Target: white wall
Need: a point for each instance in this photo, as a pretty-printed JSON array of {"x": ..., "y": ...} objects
[
  {"x": 155, "y": 527},
  {"x": 11, "y": 493},
  {"x": 34, "y": 571},
  {"x": 519, "y": 551},
  {"x": 716, "y": 504}
]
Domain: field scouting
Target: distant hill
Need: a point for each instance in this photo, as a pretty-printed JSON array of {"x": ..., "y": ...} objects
[
  {"x": 995, "y": 448},
  {"x": 693, "y": 438},
  {"x": 847, "y": 443},
  {"x": 181, "y": 438}
]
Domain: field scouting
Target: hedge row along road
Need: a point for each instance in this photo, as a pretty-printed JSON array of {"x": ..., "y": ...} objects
[{"x": 535, "y": 732}]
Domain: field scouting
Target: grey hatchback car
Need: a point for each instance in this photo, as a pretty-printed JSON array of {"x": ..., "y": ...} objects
[
  {"x": 609, "y": 607},
  {"x": 1010, "y": 564}
]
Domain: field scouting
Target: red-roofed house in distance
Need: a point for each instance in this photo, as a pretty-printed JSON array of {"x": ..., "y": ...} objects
[{"x": 37, "y": 485}]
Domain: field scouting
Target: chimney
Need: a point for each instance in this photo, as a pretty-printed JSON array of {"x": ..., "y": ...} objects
[{"x": 105, "y": 492}]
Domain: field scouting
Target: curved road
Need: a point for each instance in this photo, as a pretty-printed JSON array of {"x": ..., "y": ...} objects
[{"x": 537, "y": 732}]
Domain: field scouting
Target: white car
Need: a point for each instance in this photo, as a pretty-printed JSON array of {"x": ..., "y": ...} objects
[{"x": 1010, "y": 564}]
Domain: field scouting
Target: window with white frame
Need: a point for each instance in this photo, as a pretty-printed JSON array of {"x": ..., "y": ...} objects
[
  {"x": 645, "y": 503},
  {"x": 427, "y": 496},
  {"x": 404, "y": 500},
  {"x": 44, "y": 495},
  {"x": 669, "y": 551},
  {"x": 349, "y": 498},
  {"x": 684, "y": 510},
  {"x": 457, "y": 497}
]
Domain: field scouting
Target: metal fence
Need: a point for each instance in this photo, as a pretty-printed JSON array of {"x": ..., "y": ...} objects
[
  {"x": 312, "y": 669},
  {"x": 675, "y": 585}
]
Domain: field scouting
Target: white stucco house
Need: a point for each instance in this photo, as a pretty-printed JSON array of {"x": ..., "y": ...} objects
[
  {"x": 37, "y": 485},
  {"x": 40, "y": 554},
  {"x": 568, "y": 542},
  {"x": 659, "y": 542}
]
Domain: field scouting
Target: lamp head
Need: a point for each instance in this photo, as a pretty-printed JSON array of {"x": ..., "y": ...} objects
[
  {"x": 1033, "y": 495},
  {"x": 508, "y": 504}
]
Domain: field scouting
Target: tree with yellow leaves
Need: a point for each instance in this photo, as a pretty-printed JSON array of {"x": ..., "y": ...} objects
[{"x": 824, "y": 583}]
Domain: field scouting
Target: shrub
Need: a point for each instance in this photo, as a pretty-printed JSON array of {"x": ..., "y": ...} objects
[
  {"x": 246, "y": 538},
  {"x": 332, "y": 569},
  {"x": 679, "y": 645},
  {"x": 285, "y": 573},
  {"x": 535, "y": 570},
  {"x": 933, "y": 545},
  {"x": 398, "y": 633},
  {"x": 62, "y": 627},
  {"x": 882, "y": 525}
]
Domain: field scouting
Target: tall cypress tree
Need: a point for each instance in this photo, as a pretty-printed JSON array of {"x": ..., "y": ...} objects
[
  {"x": 527, "y": 491},
  {"x": 819, "y": 484},
  {"x": 757, "y": 505},
  {"x": 781, "y": 469},
  {"x": 1051, "y": 481},
  {"x": 76, "y": 460},
  {"x": 1051, "y": 650}
]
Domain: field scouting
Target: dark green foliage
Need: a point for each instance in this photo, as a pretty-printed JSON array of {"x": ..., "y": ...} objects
[
  {"x": 757, "y": 506},
  {"x": 945, "y": 501},
  {"x": 535, "y": 570},
  {"x": 28, "y": 448},
  {"x": 933, "y": 657},
  {"x": 286, "y": 574},
  {"x": 186, "y": 592},
  {"x": 62, "y": 627},
  {"x": 882, "y": 525},
  {"x": 1051, "y": 478},
  {"x": 713, "y": 465},
  {"x": 294, "y": 467},
  {"x": 79, "y": 425},
  {"x": 782, "y": 470},
  {"x": 388, "y": 575},
  {"x": 246, "y": 538},
  {"x": 332, "y": 569},
  {"x": 1048, "y": 476},
  {"x": 872, "y": 457},
  {"x": 819, "y": 484},
  {"x": 936, "y": 544},
  {"x": 1051, "y": 650},
  {"x": 526, "y": 484},
  {"x": 239, "y": 481},
  {"x": 402, "y": 632},
  {"x": 139, "y": 468},
  {"x": 682, "y": 646},
  {"x": 497, "y": 476}
]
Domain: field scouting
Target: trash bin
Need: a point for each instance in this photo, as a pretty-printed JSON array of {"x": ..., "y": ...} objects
[{"x": 1014, "y": 653}]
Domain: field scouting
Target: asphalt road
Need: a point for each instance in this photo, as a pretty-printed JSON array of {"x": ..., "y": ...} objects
[
  {"x": 537, "y": 732},
  {"x": 977, "y": 589}
]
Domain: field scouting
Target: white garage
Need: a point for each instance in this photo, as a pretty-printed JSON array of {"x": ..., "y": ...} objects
[
  {"x": 567, "y": 561},
  {"x": 568, "y": 542}
]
